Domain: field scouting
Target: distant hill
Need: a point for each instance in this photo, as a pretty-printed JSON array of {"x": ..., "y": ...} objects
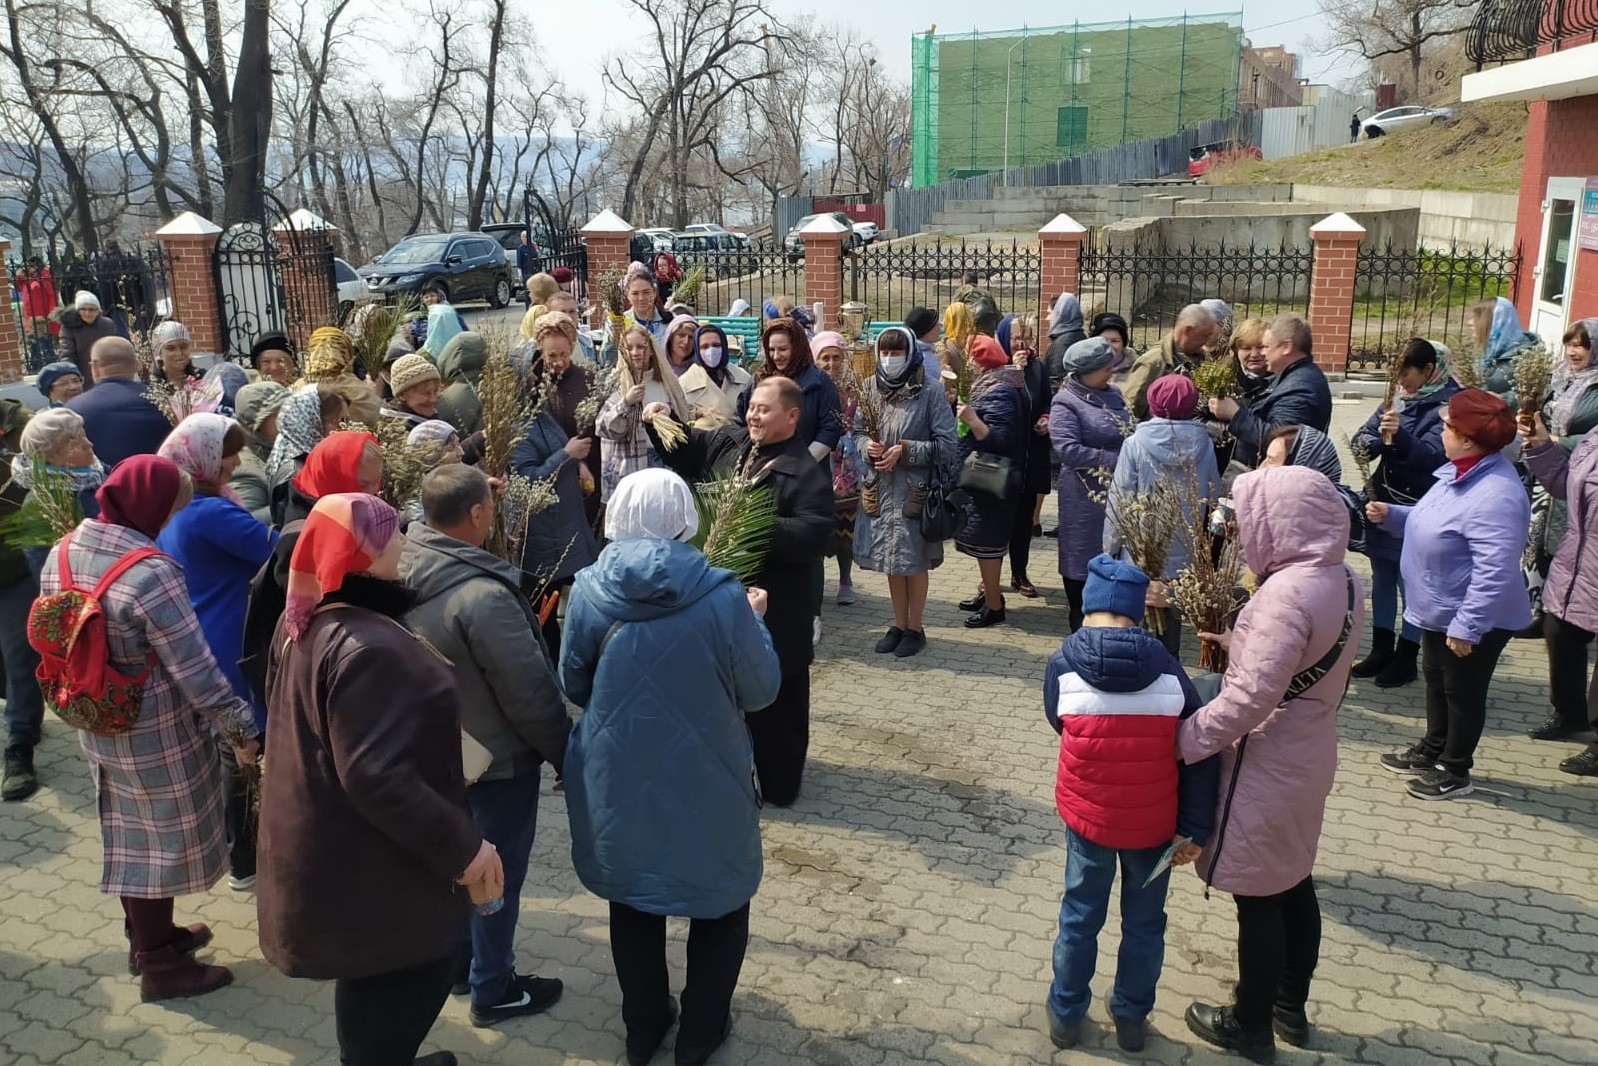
[{"x": 1480, "y": 151}]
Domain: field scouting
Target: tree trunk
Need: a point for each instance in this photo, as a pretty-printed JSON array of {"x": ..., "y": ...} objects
[
  {"x": 496, "y": 34},
  {"x": 249, "y": 121}
]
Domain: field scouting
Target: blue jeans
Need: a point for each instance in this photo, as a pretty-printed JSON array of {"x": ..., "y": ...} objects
[
  {"x": 1089, "y": 875},
  {"x": 506, "y": 813},
  {"x": 1386, "y": 585},
  {"x": 24, "y": 701}
]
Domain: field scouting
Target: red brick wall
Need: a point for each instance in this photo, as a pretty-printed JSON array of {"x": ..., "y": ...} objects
[
  {"x": 193, "y": 288},
  {"x": 1584, "y": 292},
  {"x": 10, "y": 339},
  {"x": 824, "y": 275},
  {"x": 1062, "y": 256},
  {"x": 1562, "y": 142},
  {"x": 1331, "y": 298}
]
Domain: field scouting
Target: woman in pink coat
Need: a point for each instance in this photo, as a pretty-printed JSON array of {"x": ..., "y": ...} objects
[{"x": 1275, "y": 723}]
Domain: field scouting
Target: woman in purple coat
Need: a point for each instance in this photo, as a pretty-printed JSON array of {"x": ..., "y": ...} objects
[
  {"x": 1275, "y": 725},
  {"x": 1463, "y": 588},
  {"x": 1086, "y": 423}
]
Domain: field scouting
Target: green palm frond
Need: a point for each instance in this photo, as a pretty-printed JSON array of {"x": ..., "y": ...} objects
[
  {"x": 374, "y": 325},
  {"x": 51, "y": 511},
  {"x": 736, "y": 520}
]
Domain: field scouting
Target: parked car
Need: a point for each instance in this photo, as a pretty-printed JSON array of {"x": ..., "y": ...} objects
[
  {"x": 794, "y": 245},
  {"x": 509, "y": 236},
  {"x": 352, "y": 288},
  {"x": 1205, "y": 156},
  {"x": 704, "y": 227},
  {"x": 722, "y": 255},
  {"x": 867, "y": 231},
  {"x": 1400, "y": 118},
  {"x": 663, "y": 239},
  {"x": 467, "y": 266}
]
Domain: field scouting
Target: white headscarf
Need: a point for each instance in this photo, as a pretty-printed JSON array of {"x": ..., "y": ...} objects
[
  {"x": 167, "y": 332},
  {"x": 651, "y": 503}
]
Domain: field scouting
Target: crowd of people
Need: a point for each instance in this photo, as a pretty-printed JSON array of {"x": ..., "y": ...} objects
[{"x": 237, "y": 587}]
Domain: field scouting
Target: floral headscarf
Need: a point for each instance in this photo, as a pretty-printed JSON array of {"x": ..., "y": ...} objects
[
  {"x": 1442, "y": 373},
  {"x": 1571, "y": 385},
  {"x": 299, "y": 427},
  {"x": 195, "y": 445},
  {"x": 344, "y": 534}
]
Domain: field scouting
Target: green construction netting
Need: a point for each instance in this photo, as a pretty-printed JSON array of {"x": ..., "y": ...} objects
[{"x": 1067, "y": 90}]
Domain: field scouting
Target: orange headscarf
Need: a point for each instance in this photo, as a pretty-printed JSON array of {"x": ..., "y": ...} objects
[
  {"x": 345, "y": 533},
  {"x": 331, "y": 466}
]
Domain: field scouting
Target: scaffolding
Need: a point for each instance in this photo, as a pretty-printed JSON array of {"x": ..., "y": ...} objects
[{"x": 987, "y": 101}]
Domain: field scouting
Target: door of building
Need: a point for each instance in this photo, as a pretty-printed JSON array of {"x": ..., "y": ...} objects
[{"x": 1551, "y": 280}]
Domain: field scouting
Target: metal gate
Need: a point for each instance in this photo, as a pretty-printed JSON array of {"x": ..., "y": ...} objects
[
  {"x": 890, "y": 279},
  {"x": 275, "y": 278}
]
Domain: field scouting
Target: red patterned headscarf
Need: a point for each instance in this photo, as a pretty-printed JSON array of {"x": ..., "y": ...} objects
[
  {"x": 345, "y": 533},
  {"x": 331, "y": 466}
]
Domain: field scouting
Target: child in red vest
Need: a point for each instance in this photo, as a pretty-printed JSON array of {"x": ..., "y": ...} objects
[{"x": 1115, "y": 694}]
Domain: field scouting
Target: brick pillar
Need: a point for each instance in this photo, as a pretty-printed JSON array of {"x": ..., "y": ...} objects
[
  {"x": 1331, "y": 288},
  {"x": 824, "y": 267},
  {"x": 608, "y": 238},
  {"x": 1061, "y": 245},
  {"x": 11, "y": 365},
  {"x": 190, "y": 245},
  {"x": 305, "y": 264}
]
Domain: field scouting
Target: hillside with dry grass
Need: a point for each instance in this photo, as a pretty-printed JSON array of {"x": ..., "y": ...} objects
[{"x": 1480, "y": 151}]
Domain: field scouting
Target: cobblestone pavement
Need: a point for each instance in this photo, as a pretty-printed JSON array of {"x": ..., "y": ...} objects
[{"x": 910, "y": 895}]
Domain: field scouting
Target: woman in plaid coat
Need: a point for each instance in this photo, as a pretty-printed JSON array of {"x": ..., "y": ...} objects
[{"x": 158, "y": 786}]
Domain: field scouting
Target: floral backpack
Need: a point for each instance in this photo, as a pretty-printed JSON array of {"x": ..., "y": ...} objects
[{"x": 67, "y": 629}]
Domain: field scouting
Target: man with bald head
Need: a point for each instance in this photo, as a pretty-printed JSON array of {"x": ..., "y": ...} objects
[
  {"x": 1180, "y": 351},
  {"x": 117, "y": 417}
]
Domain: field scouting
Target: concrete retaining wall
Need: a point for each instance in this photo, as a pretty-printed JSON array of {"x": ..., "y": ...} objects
[
  {"x": 1091, "y": 205},
  {"x": 1447, "y": 217}
]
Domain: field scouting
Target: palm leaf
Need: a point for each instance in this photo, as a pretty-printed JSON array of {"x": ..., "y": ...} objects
[
  {"x": 736, "y": 520},
  {"x": 51, "y": 511}
]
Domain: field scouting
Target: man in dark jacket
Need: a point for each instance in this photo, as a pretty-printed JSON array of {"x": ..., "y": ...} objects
[
  {"x": 24, "y": 715},
  {"x": 1300, "y": 394},
  {"x": 526, "y": 263},
  {"x": 805, "y": 519},
  {"x": 117, "y": 416},
  {"x": 470, "y": 607}
]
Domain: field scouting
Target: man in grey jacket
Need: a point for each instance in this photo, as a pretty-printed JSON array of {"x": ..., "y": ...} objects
[{"x": 470, "y": 607}]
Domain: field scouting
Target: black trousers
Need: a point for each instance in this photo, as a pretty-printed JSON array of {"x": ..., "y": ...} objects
[
  {"x": 781, "y": 735},
  {"x": 1574, "y": 697},
  {"x": 1278, "y": 945},
  {"x": 715, "y": 957},
  {"x": 1021, "y": 538},
  {"x": 381, "y": 1020},
  {"x": 1456, "y": 695},
  {"x": 1073, "y": 595}
]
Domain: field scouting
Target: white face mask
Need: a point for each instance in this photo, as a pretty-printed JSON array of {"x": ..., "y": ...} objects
[
  {"x": 892, "y": 365},
  {"x": 711, "y": 357}
]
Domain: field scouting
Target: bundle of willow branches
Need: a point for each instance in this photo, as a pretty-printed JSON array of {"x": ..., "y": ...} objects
[
  {"x": 736, "y": 519},
  {"x": 613, "y": 297},
  {"x": 1534, "y": 373},
  {"x": 1468, "y": 368},
  {"x": 1206, "y": 590},
  {"x": 524, "y": 498},
  {"x": 1216, "y": 377},
  {"x": 508, "y": 408},
  {"x": 1363, "y": 460},
  {"x": 1146, "y": 524},
  {"x": 602, "y": 382},
  {"x": 404, "y": 464}
]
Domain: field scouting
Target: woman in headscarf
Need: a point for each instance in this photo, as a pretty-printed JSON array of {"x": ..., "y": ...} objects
[
  {"x": 257, "y": 406},
  {"x": 1168, "y": 448},
  {"x": 443, "y": 323},
  {"x": 1499, "y": 338},
  {"x": 171, "y": 346},
  {"x": 566, "y": 382},
  {"x": 680, "y": 351},
  {"x": 831, "y": 353},
  {"x": 958, "y": 329},
  {"x": 1086, "y": 419},
  {"x": 1018, "y": 336},
  {"x": 1407, "y": 445},
  {"x": 1308, "y": 446},
  {"x": 366, "y": 836},
  {"x": 712, "y": 385},
  {"x": 219, "y": 546},
  {"x": 739, "y": 309},
  {"x": 996, "y": 417},
  {"x": 1065, "y": 329},
  {"x": 59, "y": 382},
  {"x": 667, "y": 275},
  {"x": 1461, "y": 566},
  {"x": 642, "y": 379},
  {"x": 460, "y": 368},
  {"x": 786, "y": 352},
  {"x": 911, "y": 446},
  {"x": 330, "y": 360},
  {"x": 652, "y": 595},
  {"x": 302, "y": 421},
  {"x": 272, "y": 355},
  {"x": 158, "y": 794}
]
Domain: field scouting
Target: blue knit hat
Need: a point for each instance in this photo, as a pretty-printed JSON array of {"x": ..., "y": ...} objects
[
  {"x": 1114, "y": 586},
  {"x": 53, "y": 372}
]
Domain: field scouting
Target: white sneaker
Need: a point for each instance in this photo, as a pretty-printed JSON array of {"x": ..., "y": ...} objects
[
  {"x": 815, "y": 632},
  {"x": 241, "y": 884}
]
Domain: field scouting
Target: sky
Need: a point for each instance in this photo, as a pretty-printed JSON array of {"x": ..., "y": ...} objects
[{"x": 577, "y": 52}]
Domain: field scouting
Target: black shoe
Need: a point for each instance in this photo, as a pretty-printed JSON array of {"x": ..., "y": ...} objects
[
  {"x": 911, "y": 643},
  {"x": 1381, "y": 654},
  {"x": 1292, "y": 1026},
  {"x": 1401, "y": 671},
  {"x": 1441, "y": 784},
  {"x": 692, "y": 1056},
  {"x": 1218, "y": 1026},
  {"x": 1557, "y": 729},
  {"x": 1129, "y": 1034},
  {"x": 640, "y": 1051},
  {"x": 986, "y": 616},
  {"x": 1063, "y": 1035},
  {"x": 1583, "y": 765},
  {"x": 527, "y": 995},
  {"x": 1533, "y": 631},
  {"x": 20, "y": 781},
  {"x": 1037, "y": 530},
  {"x": 1412, "y": 760},
  {"x": 1052, "y": 534},
  {"x": 437, "y": 1058},
  {"x": 974, "y": 603},
  {"x": 890, "y": 640}
]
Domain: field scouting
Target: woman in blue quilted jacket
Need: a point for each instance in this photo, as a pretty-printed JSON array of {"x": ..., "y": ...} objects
[{"x": 660, "y": 772}]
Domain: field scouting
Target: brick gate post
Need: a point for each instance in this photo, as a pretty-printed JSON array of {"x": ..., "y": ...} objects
[
  {"x": 824, "y": 267},
  {"x": 11, "y": 365},
  {"x": 608, "y": 238},
  {"x": 1331, "y": 288},
  {"x": 1061, "y": 244},
  {"x": 190, "y": 245}
]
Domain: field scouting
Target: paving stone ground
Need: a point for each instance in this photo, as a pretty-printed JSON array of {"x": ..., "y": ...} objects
[{"x": 910, "y": 896}]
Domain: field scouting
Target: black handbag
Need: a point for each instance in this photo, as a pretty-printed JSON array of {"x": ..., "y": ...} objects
[
  {"x": 943, "y": 511},
  {"x": 996, "y": 475}
]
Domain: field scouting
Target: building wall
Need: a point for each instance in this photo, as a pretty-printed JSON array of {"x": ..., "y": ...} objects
[
  {"x": 1561, "y": 141},
  {"x": 1277, "y": 84}
]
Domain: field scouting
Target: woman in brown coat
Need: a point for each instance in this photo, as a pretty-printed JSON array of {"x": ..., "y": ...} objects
[{"x": 365, "y": 834}]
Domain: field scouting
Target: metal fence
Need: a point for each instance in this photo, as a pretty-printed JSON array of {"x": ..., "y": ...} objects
[
  {"x": 132, "y": 284},
  {"x": 1149, "y": 288},
  {"x": 890, "y": 279},
  {"x": 752, "y": 275},
  {"x": 1509, "y": 30},
  {"x": 1404, "y": 293}
]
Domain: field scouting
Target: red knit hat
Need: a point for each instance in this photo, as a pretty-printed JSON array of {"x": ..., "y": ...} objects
[
  {"x": 1482, "y": 418},
  {"x": 986, "y": 352}
]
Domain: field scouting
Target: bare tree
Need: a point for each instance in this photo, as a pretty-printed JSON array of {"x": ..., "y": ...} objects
[{"x": 1407, "y": 28}]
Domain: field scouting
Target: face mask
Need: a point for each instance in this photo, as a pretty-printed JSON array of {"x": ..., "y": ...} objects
[
  {"x": 711, "y": 357},
  {"x": 893, "y": 364}
]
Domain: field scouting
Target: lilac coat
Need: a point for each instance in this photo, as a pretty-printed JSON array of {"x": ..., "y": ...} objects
[
  {"x": 1295, "y": 531},
  {"x": 1571, "y": 591},
  {"x": 1085, "y": 433},
  {"x": 1462, "y": 547}
]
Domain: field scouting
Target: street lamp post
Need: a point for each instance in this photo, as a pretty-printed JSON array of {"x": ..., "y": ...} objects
[{"x": 1007, "y": 57}]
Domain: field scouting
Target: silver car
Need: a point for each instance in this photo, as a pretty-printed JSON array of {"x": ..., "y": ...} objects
[{"x": 1403, "y": 118}]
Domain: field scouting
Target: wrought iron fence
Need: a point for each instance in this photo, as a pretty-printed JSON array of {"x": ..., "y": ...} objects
[
  {"x": 1149, "y": 286},
  {"x": 132, "y": 284},
  {"x": 1401, "y": 293},
  {"x": 1509, "y": 30},
  {"x": 565, "y": 248},
  {"x": 890, "y": 279},
  {"x": 751, "y": 275}
]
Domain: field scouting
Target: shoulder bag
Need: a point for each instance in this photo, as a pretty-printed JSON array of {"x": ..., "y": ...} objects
[{"x": 943, "y": 511}]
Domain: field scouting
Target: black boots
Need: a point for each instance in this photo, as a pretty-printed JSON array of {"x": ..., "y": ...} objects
[
  {"x": 1401, "y": 671},
  {"x": 20, "y": 781},
  {"x": 1219, "y": 1026},
  {"x": 1381, "y": 654}
]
